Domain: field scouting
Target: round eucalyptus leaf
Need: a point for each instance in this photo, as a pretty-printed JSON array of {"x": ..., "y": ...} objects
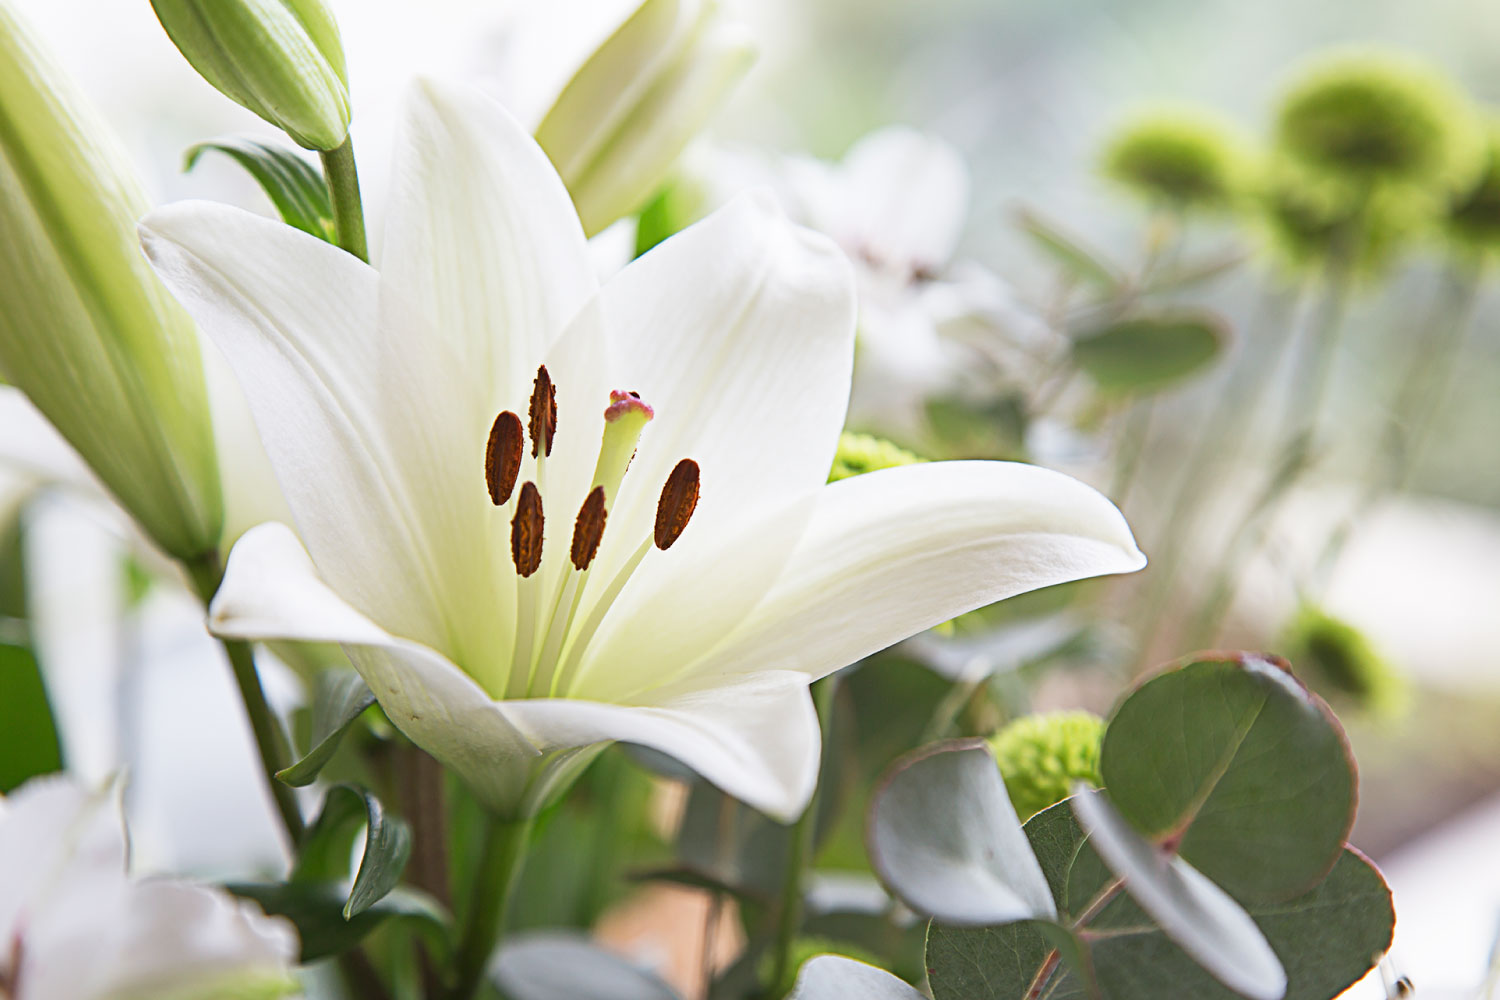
[
  {"x": 1146, "y": 354},
  {"x": 833, "y": 977},
  {"x": 1197, "y": 915},
  {"x": 944, "y": 838},
  {"x": 1240, "y": 764},
  {"x": 556, "y": 965}
]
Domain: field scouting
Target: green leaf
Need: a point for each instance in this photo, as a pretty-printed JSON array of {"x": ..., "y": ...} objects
[
  {"x": 28, "y": 735},
  {"x": 1147, "y": 354},
  {"x": 325, "y": 849},
  {"x": 294, "y": 186},
  {"x": 340, "y": 698},
  {"x": 1327, "y": 939},
  {"x": 1244, "y": 764},
  {"x": 1078, "y": 262},
  {"x": 317, "y": 910}
]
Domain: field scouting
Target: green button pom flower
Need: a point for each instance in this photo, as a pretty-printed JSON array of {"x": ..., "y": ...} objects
[
  {"x": 1041, "y": 756},
  {"x": 1183, "y": 158},
  {"x": 1473, "y": 217},
  {"x": 861, "y": 453},
  {"x": 1340, "y": 663}
]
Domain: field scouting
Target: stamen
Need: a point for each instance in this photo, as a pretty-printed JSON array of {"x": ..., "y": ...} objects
[
  {"x": 526, "y": 531},
  {"x": 502, "y": 456},
  {"x": 679, "y": 497},
  {"x": 589, "y": 528},
  {"x": 543, "y": 413}
]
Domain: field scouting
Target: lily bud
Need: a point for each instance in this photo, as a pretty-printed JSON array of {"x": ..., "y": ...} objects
[
  {"x": 281, "y": 59},
  {"x": 631, "y": 106},
  {"x": 87, "y": 330}
]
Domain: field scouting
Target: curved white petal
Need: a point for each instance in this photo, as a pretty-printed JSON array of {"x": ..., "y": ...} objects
[
  {"x": 481, "y": 241},
  {"x": 298, "y": 321},
  {"x": 272, "y": 591},
  {"x": 739, "y": 331},
  {"x": 755, "y": 736},
  {"x": 868, "y": 561}
]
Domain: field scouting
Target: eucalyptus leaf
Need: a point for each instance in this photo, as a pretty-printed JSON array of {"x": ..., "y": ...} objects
[
  {"x": 317, "y": 910},
  {"x": 294, "y": 186},
  {"x": 324, "y": 851},
  {"x": 1197, "y": 915},
  {"x": 1243, "y": 764},
  {"x": 1074, "y": 259},
  {"x": 340, "y": 698},
  {"x": 552, "y": 965},
  {"x": 944, "y": 838},
  {"x": 833, "y": 977},
  {"x": 1146, "y": 354}
]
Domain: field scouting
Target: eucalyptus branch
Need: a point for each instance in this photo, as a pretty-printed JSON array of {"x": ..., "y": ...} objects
[{"x": 343, "y": 190}]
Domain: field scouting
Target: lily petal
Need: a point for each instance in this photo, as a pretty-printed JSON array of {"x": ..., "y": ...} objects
[
  {"x": 271, "y": 590},
  {"x": 867, "y": 562},
  {"x": 482, "y": 241},
  {"x": 755, "y": 736}
]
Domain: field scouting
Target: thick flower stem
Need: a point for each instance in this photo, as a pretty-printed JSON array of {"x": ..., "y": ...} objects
[
  {"x": 495, "y": 880},
  {"x": 789, "y": 915},
  {"x": 343, "y": 190}
]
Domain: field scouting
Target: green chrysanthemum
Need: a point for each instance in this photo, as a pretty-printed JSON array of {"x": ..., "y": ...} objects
[
  {"x": 1041, "y": 756},
  {"x": 861, "y": 453},
  {"x": 1310, "y": 222},
  {"x": 1370, "y": 117},
  {"x": 1339, "y": 662},
  {"x": 1473, "y": 216},
  {"x": 1184, "y": 158}
]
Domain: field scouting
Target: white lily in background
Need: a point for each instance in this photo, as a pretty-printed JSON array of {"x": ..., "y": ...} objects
[
  {"x": 77, "y": 927},
  {"x": 505, "y": 584},
  {"x": 897, "y": 205},
  {"x": 614, "y": 90}
]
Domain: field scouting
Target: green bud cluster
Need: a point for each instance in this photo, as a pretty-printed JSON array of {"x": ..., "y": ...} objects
[
  {"x": 861, "y": 453},
  {"x": 1041, "y": 756},
  {"x": 1183, "y": 158},
  {"x": 1339, "y": 662}
]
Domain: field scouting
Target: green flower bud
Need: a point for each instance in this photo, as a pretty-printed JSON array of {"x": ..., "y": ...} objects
[
  {"x": 1366, "y": 117},
  {"x": 281, "y": 59},
  {"x": 631, "y": 108},
  {"x": 1041, "y": 756},
  {"x": 87, "y": 331},
  {"x": 1180, "y": 158},
  {"x": 1473, "y": 217},
  {"x": 1309, "y": 221},
  {"x": 1339, "y": 662},
  {"x": 861, "y": 453}
]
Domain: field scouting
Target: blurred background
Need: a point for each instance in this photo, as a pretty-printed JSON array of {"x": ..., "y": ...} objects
[{"x": 1030, "y": 93}]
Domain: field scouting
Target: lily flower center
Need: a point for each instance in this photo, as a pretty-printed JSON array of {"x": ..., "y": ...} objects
[{"x": 551, "y": 636}]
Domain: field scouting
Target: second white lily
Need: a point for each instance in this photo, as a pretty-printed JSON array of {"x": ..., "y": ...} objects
[{"x": 518, "y": 584}]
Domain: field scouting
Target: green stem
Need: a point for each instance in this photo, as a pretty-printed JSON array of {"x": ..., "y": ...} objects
[
  {"x": 343, "y": 191},
  {"x": 495, "y": 880},
  {"x": 1132, "y": 447},
  {"x": 789, "y": 918},
  {"x": 270, "y": 740}
]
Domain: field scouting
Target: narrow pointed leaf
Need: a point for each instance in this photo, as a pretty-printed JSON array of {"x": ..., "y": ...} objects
[
  {"x": 1077, "y": 261},
  {"x": 326, "y": 847},
  {"x": 341, "y": 697},
  {"x": 294, "y": 186}
]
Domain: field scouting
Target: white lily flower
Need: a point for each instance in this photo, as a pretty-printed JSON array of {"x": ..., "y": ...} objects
[
  {"x": 75, "y": 926},
  {"x": 897, "y": 205},
  {"x": 468, "y": 578}
]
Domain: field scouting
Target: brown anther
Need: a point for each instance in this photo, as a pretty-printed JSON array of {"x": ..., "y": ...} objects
[
  {"x": 589, "y": 528},
  {"x": 526, "y": 531},
  {"x": 543, "y": 413},
  {"x": 678, "y": 499},
  {"x": 502, "y": 456}
]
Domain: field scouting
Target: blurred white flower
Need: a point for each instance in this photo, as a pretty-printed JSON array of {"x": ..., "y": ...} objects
[
  {"x": 76, "y": 926},
  {"x": 492, "y": 633}
]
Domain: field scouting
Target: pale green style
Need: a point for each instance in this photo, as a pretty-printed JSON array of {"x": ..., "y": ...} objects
[
  {"x": 281, "y": 59},
  {"x": 87, "y": 331}
]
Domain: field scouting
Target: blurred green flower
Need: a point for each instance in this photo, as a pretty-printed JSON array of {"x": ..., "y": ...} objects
[
  {"x": 1184, "y": 158},
  {"x": 281, "y": 59},
  {"x": 87, "y": 331},
  {"x": 1367, "y": 117},
  {"x": 861, "y": 453},
  {"x": 1339, "y": 662},
  {"x": 1473, "y": 217},
  {"x": 1041, "y": 756},
  {"x": 1310, "y": 222}
]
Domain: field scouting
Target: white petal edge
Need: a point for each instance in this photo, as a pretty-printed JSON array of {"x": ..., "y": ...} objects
[
  {"x": 1194, "y": 912},
  {"x": 862, "y": 564},
  {"x": 833, "y": 977},
  {"x": 756, "y": 737}
]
